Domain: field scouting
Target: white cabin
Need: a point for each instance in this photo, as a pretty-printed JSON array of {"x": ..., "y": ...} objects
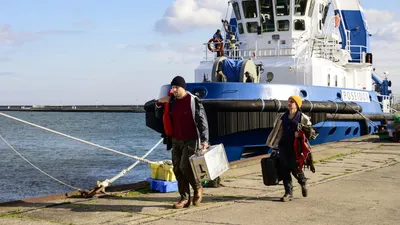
[{"x": 294, "y": 42}]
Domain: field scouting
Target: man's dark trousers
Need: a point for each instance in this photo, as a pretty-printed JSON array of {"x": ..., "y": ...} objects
[{"x": 181, "y": 151}]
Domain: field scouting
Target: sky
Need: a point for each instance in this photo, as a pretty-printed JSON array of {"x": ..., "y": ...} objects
[{"x": 72, "y": 52}]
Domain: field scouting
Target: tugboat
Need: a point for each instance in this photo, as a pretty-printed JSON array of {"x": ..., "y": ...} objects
[{"x": 277, "y": 48}]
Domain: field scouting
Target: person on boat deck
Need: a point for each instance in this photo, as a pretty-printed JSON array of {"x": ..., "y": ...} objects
[
  {"x": 232, "y": 45},
  {"x": 337, "y": 19},
  {"x": 218, "y": 36},
  {"x": 190, "y": 134},
  {"x": 221, "y": 76},
  {"x": 249, "y": 79},
  {"x": 282, "y": 137}
]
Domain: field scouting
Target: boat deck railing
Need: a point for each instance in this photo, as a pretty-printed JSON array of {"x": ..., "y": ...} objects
[
  {"x": 358, "y": 50},
  {"x": 239, "y": 53},
  {"x": 325, "y": 49}
]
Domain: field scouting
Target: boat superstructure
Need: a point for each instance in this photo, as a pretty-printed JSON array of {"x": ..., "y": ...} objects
[{"x": 272, "y": 49}]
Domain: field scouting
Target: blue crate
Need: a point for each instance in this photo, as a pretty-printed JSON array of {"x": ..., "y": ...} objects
[{"x": 162, "y": 185}]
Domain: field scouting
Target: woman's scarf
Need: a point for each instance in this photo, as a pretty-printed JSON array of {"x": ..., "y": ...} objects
[{"x": 290, "y": 125}]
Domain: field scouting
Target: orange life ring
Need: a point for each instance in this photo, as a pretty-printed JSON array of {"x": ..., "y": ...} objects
[{"x": 218, "y": 47}]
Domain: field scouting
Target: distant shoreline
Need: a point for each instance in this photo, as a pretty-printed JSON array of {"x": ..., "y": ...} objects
[{"x": 74, "y": 108}]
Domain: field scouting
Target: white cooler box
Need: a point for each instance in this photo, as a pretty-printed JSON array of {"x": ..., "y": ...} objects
[{"x": 210, "y": 164}]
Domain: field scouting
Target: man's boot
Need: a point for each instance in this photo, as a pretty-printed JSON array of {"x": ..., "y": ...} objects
[
  {"x": 198, "y": 196},
  {"x": 182, "y": 204}
]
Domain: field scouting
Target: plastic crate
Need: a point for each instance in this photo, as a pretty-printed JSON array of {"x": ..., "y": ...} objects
[
  {"x": 397, "y": 117},
  {"x": 383, "y": 135},
  {"x": 162, "y": 185},
  {"x": 162, "y": 171}
]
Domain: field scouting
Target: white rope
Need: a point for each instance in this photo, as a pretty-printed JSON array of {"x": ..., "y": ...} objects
[
  {"x": 107, "y": 182},
  {"x": 337, "y": 106},
  {"x": 280, "y": 104},
  {"x": 312, "y": 106},
  {"x": 77, "y": 139},
  {"x": 59, "y": 181},
  {"x": 263, "y": 104}
]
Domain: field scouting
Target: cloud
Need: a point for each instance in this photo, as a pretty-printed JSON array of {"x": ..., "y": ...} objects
[
  {"x": 8, "y": 73},
  {"x": 85, "y": 23},
  {"x": 186, "y": 15},
  {"x": 385, "y": 45},
  {"x": 382, "y": 24},
  {"x": 10, "y": 37},
  {"x": 5, "y": 59},
  {"x": 375, "y": 16},
  {"x": 184, "y": 48}
]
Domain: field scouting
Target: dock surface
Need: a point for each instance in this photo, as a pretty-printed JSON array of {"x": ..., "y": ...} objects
[{"x": 356, "y": 182}]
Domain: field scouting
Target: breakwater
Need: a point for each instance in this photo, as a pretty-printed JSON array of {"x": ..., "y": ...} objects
[{"x": 74, "y": 108}]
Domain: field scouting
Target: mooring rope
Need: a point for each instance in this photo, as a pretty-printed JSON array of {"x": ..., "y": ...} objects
[
  {"x": 33, "y": 165},
  {"x": 107, "y": 182},
  {"x": 76, "y": 139},
  {"x": 104, "y": 183},
  {"x": 367, "y": 119}
]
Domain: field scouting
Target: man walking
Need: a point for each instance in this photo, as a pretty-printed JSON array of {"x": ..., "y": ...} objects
[{"x": 190, "y": 133}]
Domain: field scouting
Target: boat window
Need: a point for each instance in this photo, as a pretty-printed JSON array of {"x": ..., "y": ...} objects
[
  {"x": 282, "y": 7},
  {"x": 335, "y": 80},
  {"x": 251, "y": 27},
  {"x": 300, "y": 7},
  {"x": 240, "y": 28},
  {"x": 299, "y": 25},
  {"x": 326, "y": 10},
  {"x": 235, "y": 6},
  {"x": 249, "y": 9},
  {"x": 311, "y": 9},
  {"x": 329, "y": 80},
  {"x": 283, "y": 25},
  {"x": 267, "y": 16}
]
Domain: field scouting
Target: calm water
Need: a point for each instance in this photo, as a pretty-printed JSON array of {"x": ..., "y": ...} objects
[{"x": 73, "y": 162}]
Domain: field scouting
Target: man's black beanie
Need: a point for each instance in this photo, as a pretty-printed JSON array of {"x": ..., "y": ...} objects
[{"x": 179, "y": 81}]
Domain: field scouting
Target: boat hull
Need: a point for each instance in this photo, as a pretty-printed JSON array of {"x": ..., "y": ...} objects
[{"x": 244, "y": 133}]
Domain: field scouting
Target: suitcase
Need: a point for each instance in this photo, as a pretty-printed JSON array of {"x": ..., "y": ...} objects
[
  {"x": 270, "y": 170},
  {"x": 210, "y": 164}
]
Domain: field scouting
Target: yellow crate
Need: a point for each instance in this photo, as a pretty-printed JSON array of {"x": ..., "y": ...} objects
[{"x": 161, "y": 171}]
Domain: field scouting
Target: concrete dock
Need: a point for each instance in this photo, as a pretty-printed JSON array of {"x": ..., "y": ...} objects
[{"x": 356, "y": 182}]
